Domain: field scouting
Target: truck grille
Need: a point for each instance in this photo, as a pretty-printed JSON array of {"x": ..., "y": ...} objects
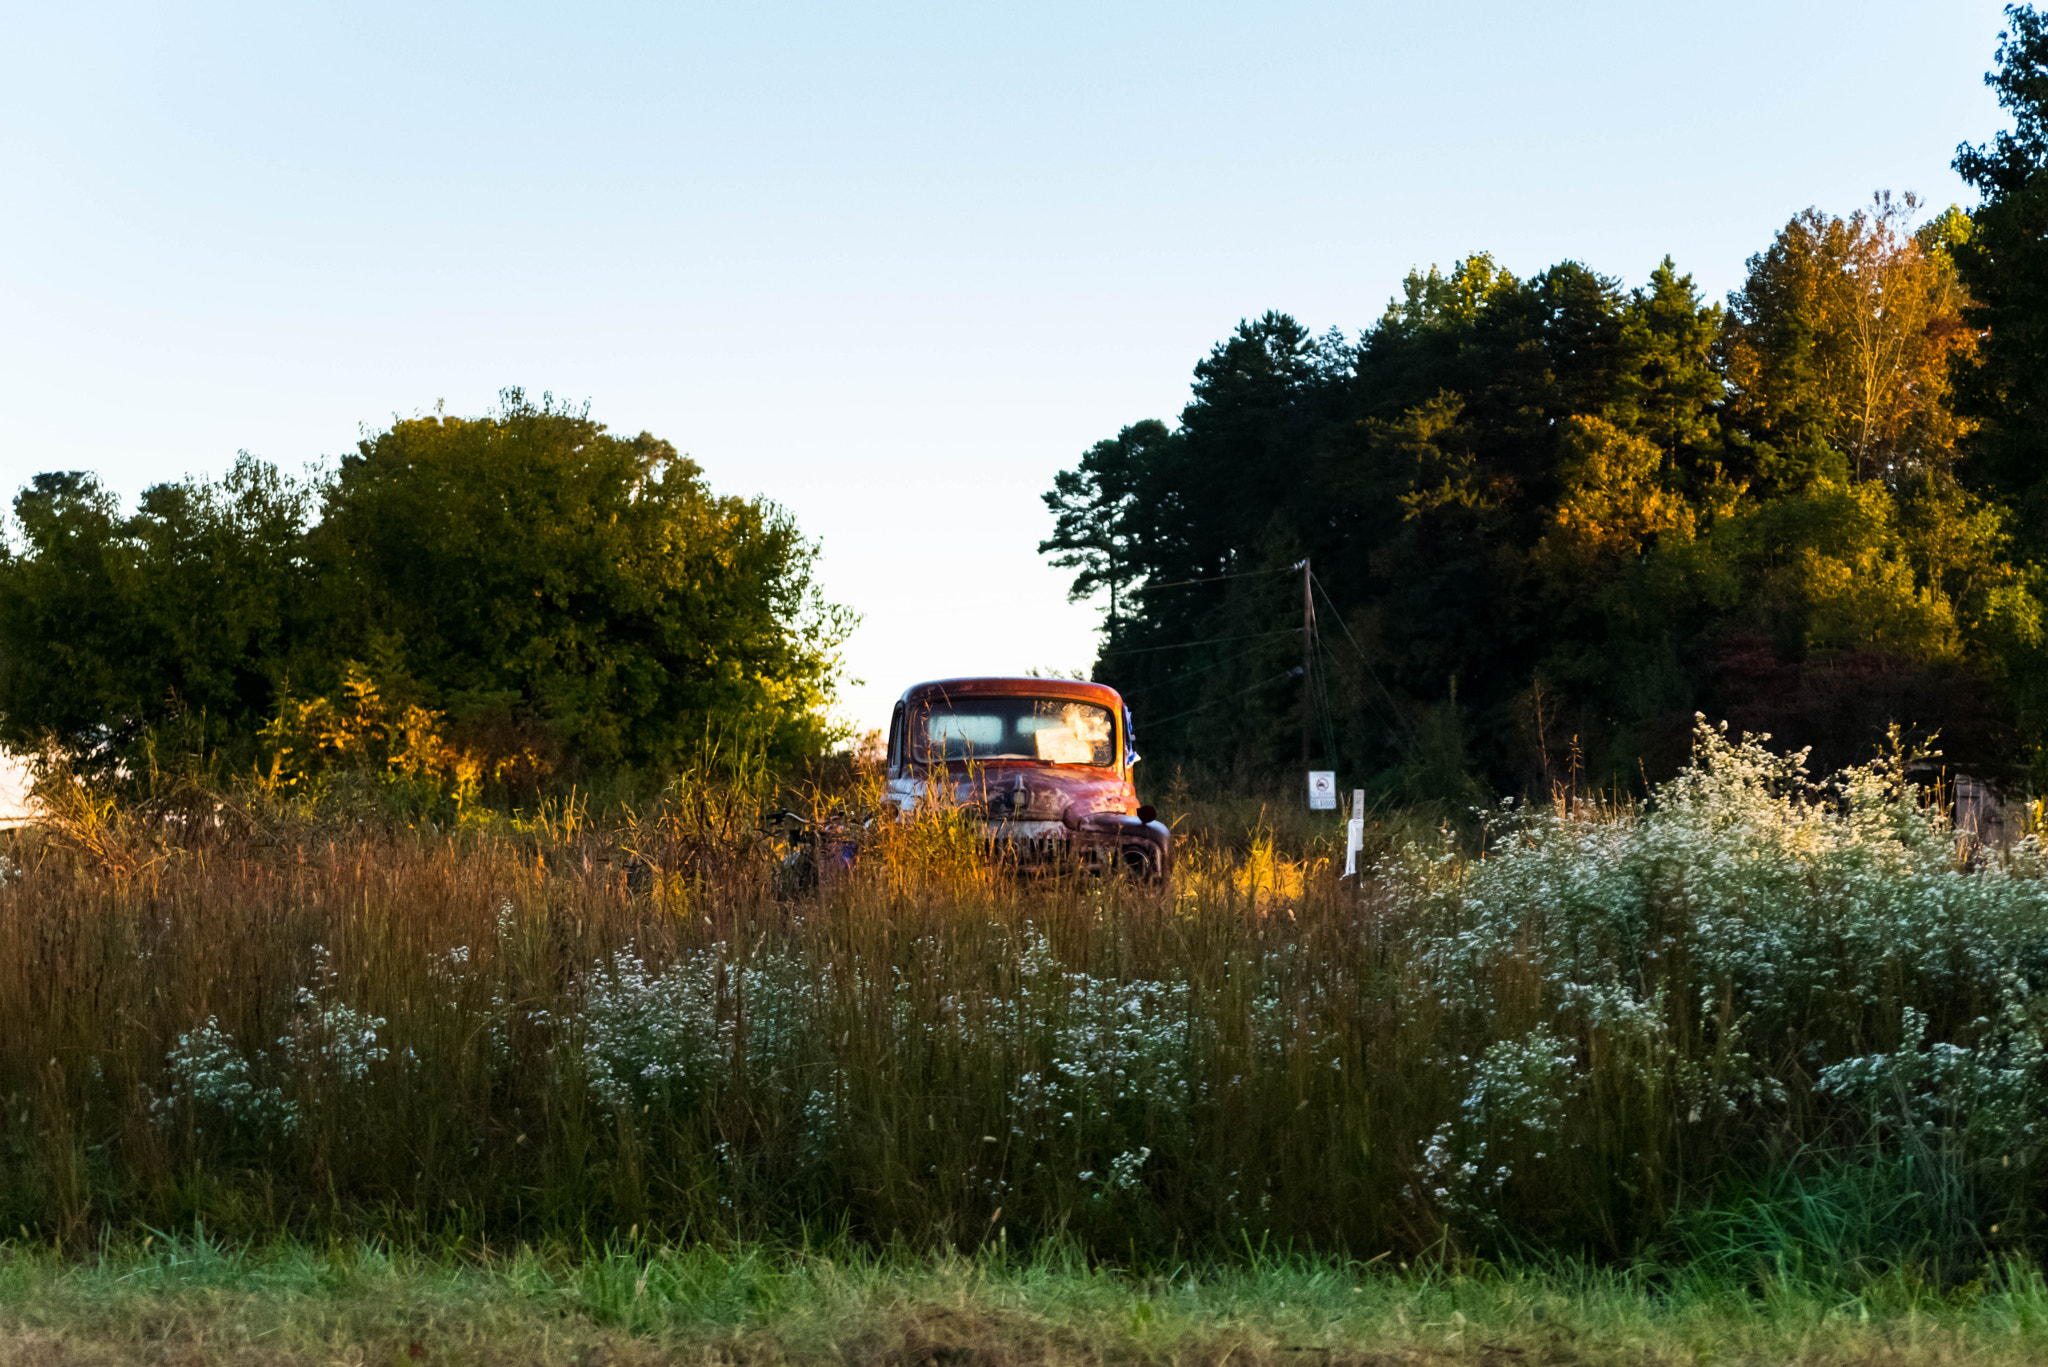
[{"x": 1029, "y": 849}]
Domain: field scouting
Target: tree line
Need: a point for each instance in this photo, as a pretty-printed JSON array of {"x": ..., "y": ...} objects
[
  {"x": 1550, "y": 518},
  {"x": 525, "y": 600}
]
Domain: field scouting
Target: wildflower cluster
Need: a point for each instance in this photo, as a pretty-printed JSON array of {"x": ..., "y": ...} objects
[
  {"x": 223, "y": 1087},
  {"x": 208, "y": 1074},
  {"x": 1516, "y": 1095},
  {"x": 655, "y": 1034},
  {"x": 1983, "y": 1106}
]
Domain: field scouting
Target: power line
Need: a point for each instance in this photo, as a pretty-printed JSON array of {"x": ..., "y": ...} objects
[
  {"x": 1363, "y": 659},
  {"x": 1216, "y": 578},
  {"x": 1176, "y": 680},
  {"x": 1316, "y": 680},
  {"x": 1209, "y": 641},
  {"x": 1218, "y": 702},
  {"x": 1338, "y": 615},
  {"x": 1329, "y": 712}
]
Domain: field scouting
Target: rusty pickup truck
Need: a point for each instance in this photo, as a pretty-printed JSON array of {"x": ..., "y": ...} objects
[{"x": 1046, "y": 763}]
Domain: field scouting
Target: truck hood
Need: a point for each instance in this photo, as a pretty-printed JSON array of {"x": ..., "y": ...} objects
[{"x": 1038, "y": 793}]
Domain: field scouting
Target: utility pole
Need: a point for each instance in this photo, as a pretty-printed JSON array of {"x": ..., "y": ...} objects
[{"x": 1308, "y": 639}]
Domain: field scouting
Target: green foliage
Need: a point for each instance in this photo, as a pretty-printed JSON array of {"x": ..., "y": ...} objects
[
  {"x": 187, "y": 614},
  {"x": 539, "y": 577},
  {"x": 1552, "y": 515},
  {"x": 2003, "y": 259},
  {"x": 560, "y": 599},
  {"x": 1096, "y": 512}
]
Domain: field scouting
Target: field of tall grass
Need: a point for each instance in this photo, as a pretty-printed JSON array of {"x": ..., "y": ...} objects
[{"x": 1757, "y": 1021}]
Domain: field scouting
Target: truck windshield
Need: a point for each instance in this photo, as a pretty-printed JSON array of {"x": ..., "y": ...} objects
[{"x": 1054, "y": 730}]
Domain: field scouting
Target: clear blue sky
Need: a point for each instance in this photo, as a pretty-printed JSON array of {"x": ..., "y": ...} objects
[{"x": 892, "y": 266}]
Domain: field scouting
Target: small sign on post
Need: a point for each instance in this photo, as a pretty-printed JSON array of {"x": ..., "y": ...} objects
[
  {"x": 1354, "y": 832},
  {"x": 1322, "y": 790}
]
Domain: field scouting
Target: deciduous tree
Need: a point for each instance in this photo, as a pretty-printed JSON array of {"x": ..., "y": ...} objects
[{"x": 537, "y": 575}]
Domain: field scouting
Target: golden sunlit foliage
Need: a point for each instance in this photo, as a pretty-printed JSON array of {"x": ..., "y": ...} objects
[
  {"x": 1842, "y": 341},
  {"x": 1614, "y": 505},
  {"x": 401, "y": 746}
]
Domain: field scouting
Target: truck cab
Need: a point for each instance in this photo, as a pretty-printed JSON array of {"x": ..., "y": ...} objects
[{"x": 1045, "y": 763}]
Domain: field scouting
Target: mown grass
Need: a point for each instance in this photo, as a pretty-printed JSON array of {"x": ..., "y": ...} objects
[{"x": 197, "y": 1301}]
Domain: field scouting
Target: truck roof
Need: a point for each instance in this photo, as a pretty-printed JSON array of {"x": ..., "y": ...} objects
[{"x": 1078, "y": 690}]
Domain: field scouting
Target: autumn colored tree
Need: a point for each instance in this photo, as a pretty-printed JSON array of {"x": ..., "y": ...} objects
[
  {"x": 1840, "y": 343},
  {"x": 1613, "y": 505}
]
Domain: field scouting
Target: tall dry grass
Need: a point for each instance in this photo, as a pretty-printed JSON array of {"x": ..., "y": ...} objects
[{"x": 263, "y": 1020}]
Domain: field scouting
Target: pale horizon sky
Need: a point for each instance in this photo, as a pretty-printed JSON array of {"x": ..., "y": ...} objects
[{"x": 891, "y": 266}]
